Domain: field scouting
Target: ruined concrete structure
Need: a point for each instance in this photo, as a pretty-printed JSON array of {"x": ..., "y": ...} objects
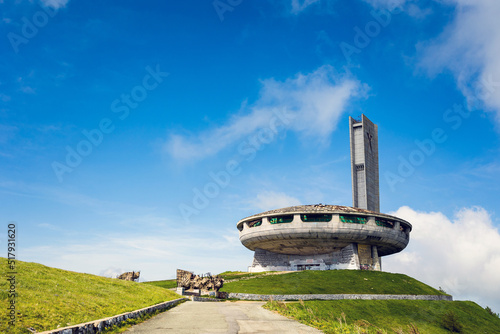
[
  {"x": 324, "y": 237},
  {"x": 130, "y": 276},
  {"x": 190, "y": 281}
]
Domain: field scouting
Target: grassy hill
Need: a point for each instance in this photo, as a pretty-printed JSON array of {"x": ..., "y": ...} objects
[
  {"x": 365, "y": 316},
  {"x": 166, "y": 284},
  {"x": 332, "y": 282},
  {"x": 390, "y": 316},
  {"x": 48, "y": 298},
  {"x": 237, "y": 275}
]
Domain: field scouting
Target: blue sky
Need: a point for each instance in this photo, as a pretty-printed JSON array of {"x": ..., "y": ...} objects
[{"x": 133, "y": 136}]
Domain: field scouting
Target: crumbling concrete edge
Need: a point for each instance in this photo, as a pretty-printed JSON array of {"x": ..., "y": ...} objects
[
  {"x": 97, "y": 326},
  {"x": 251, "y": 296}
]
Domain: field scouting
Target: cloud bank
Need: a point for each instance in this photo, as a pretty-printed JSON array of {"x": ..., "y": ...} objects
[
  {"x": 461, "y": 255},
  {"x": 309, "y": 104}
]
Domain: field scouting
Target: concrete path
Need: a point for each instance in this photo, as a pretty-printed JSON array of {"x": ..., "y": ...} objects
[{"x": 220, "y": 317}]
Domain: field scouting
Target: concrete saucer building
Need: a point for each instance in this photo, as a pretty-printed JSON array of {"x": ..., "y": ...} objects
[{"x": 325, "y": 237}]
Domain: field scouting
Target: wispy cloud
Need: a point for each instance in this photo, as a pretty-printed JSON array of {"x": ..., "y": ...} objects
[
  {"x": 156, "y": 256},
  {"x": 462, "y": 255},
  {"x": 55, "y": 3},
  {"x": 300, "y": 5},
  {"x": 269, "y": 200},
  {"x": 312, "y": 103},
  {"x": 469, "y": 48}
]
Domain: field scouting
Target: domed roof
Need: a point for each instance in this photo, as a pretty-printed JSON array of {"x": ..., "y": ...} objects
[{"x": 317, "y": 208}]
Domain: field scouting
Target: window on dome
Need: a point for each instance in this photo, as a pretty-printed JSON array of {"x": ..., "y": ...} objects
[
  {"x": 255, "y": 223},
  {"x": 315, "y": 218},
  {"x": 384, "y": 223},
  {"x": 281, "y": 219},
  {"x": 352, "y": 219}
]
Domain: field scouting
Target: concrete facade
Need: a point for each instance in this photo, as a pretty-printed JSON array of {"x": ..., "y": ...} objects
[
  {"x": 345, "y": 258},
  {"x": 345, "y": 238},
  {"x": 364, "y": 164}
]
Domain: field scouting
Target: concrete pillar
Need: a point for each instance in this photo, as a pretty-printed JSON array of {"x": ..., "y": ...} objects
[{"x": 377, "y": 264}]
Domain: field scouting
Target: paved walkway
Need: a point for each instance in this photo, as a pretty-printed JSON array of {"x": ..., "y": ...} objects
[{"x": 220, "y": 317}]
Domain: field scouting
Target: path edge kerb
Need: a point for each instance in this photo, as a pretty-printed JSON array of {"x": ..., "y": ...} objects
[
  {"x": 97, "y": 326},
  {"x": 251, "y": 296}
]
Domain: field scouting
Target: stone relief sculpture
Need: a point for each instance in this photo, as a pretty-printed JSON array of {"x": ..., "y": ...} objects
[
  {"x": 130, "y": 276},
  {"x": 190, "y": 281}
]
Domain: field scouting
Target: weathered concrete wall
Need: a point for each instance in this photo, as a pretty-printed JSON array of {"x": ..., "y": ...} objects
[
  {"x": 97, "y": 326},
  {"x": 345, "y": 258},
  {"x": 300, "y": 238},
  {"x": 250, "y": 296}
]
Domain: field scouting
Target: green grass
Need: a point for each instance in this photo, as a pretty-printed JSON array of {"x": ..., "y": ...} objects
[
  {"x": 332, "y": 282},
  {"x": 387, "y": 316},
  {"x": 48, "y": 298},
  {"x": 166, "y": 284},
  {"x": 231, "y": 275}
]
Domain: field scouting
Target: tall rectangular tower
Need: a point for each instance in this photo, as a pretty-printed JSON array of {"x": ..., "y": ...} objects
[{"x": 364, "y": 164}]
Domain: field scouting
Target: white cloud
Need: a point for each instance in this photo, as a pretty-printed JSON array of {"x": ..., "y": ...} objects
[
  {"x": 469, "y": 48},
  {"x": 300, "y": 5},
  {"x": 309, "y": 104},
  {"x": 461, "y": 255},
  {"x": 112, "y": 272},
  {"x": 55, "y": 3},
  {"x": 270, "y": 200}
]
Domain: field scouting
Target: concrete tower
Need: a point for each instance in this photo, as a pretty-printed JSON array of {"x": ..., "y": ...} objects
[
  {"x": 327, "y": 237},
  {"x": 364, "y": 164}
]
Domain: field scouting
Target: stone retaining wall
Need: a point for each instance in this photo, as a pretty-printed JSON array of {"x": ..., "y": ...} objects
[
  {"x": 251, "y": 296},
  {"x": 205, "y": 299},
  {"x": 97, "y": 326}
]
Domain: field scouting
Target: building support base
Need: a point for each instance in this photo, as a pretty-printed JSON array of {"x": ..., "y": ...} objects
[{"x": 345, "y": 258}]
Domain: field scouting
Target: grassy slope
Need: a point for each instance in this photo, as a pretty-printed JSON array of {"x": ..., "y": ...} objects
[
  {"x": 332, "y": 282},
  {"x": 389, "y": 315},
  {"x": 49, "y": 297},
  {"x": 230, "y": 275},
  {"x": 166, "y": 284}
]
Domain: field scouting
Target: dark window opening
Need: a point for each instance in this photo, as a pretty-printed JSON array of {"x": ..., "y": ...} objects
[
  {"x": 255, "y": 223},
  {"x": 315, "y": 217},
  {"x": 281, "y": 219},
  {"x": 352, "y": 219},
  {"x": 384, "y": 223},
  {"x": 307, "y": 266}
]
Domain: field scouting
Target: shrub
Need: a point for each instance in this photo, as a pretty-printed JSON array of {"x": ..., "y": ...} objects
[
  {"x": 451, "y": 322},
  {"x": 490, "y": 311}
]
